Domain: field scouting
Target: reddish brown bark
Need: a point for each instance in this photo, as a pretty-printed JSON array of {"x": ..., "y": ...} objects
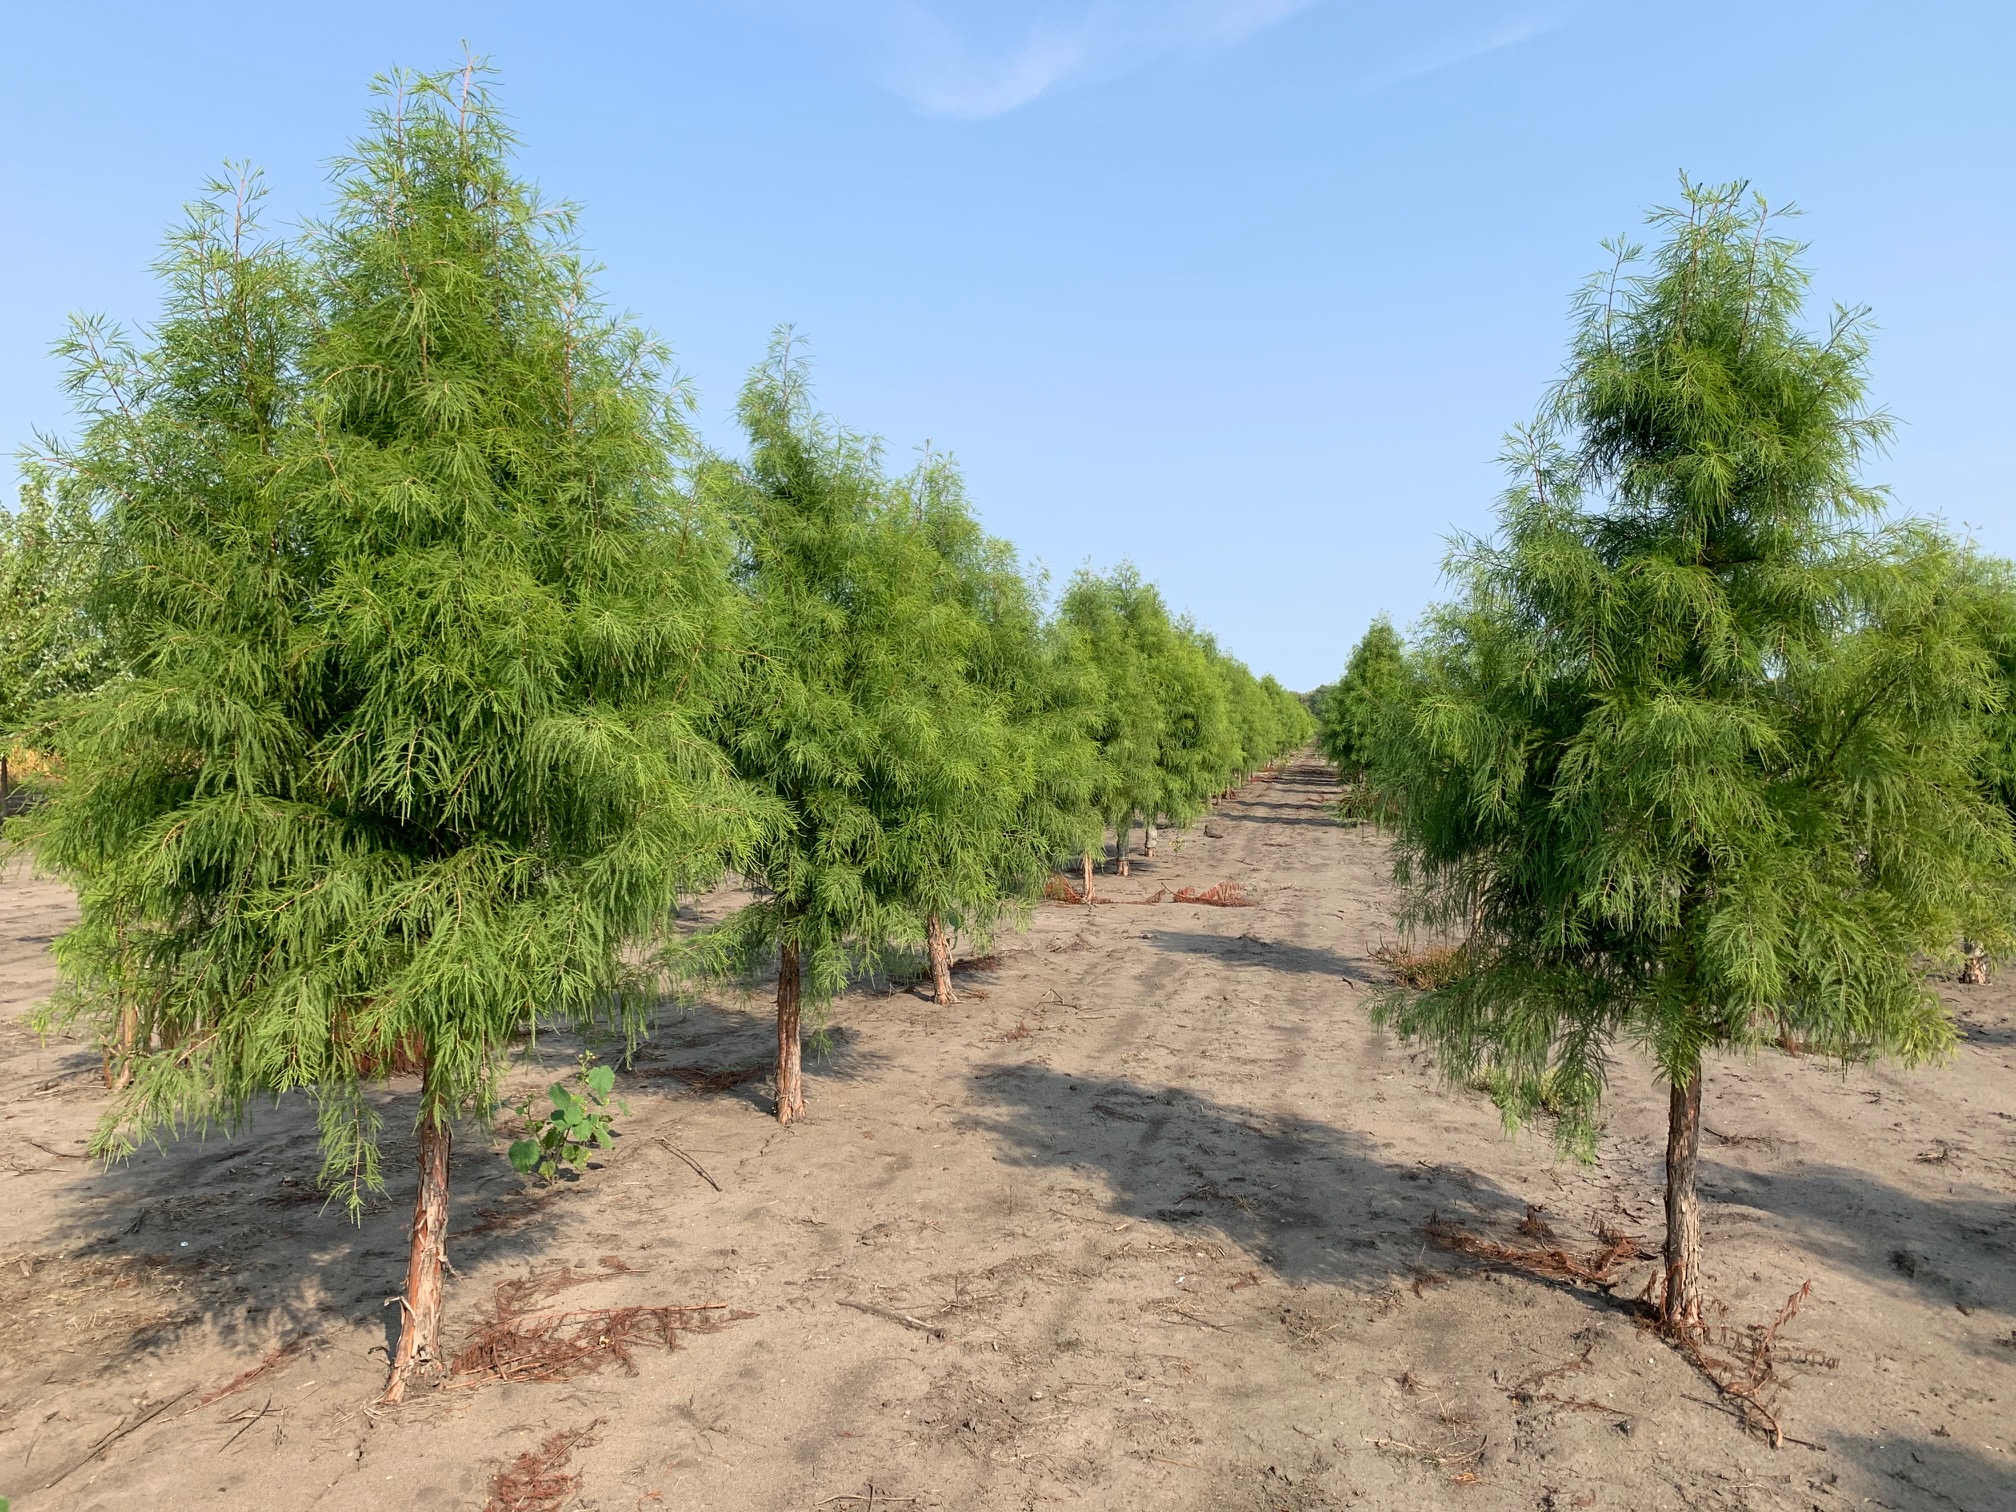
[
  {"x": 119, "y": 1054},
  {"x": 790, "y": 1039},
  {"x": 1088, "y": 879},
  {"x": 419, "y": 1354},
  {"x": 941, "y": 964},
  {"x": 1680, "y": 1307},
  {"x": 1974, "y": 969}
]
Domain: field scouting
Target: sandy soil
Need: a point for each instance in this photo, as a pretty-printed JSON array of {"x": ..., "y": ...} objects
[{"x": 1136, "y": 1225}]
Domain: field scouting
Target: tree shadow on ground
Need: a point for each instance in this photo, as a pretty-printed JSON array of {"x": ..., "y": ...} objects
[
  {"x": 228, "y": 1235},
  {"x": 1311, "y": 1201},
  {"x": 1954, "y": 1251},
  {"x": 1321, "y": 821},
  {"x": 725, "y": 1052},
  {"x": 1935, "y": 1474},
  {"x": 1250, "y": 950}
]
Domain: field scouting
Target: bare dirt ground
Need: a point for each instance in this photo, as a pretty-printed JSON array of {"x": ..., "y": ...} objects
[{"x": 1139, "y": 1224}]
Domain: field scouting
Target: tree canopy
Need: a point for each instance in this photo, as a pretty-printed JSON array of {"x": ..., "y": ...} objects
[
  {"x": 406, "y": 751},
  {"x": 1691, "y": 765}
]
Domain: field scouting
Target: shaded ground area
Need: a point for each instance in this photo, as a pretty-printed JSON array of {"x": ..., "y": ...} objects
[{"x": 1138, "y": 1224}]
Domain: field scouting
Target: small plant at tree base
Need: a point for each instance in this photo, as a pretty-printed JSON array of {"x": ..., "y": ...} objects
[{"x": 575, "y": 1129}]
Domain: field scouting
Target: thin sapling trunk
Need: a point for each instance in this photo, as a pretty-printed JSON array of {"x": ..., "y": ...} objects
[
  {"x": 1123, "y": 831},
  {"x": 1974, "y": 969},
  {"x": 419, "y": 1353},
  {"x": 1680, "y": 1307},
  {"x": 941, "y": 964},
  {"x": 790, "y": 1039},
  {"x": 1087, "y": 860}
]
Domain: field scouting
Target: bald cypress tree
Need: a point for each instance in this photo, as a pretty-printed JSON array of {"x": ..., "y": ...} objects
[
  {"x": 1692, "y": 760},
  {"x": 1372, "y": 683},
  {"x": 1119, "y": 628},
  {"x": 417, "y": 622},
  {"x": 851, "y": 711},
  {"x": 978, "y": 843}
]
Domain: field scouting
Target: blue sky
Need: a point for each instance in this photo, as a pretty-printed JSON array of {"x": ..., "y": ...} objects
[{"x": 1245, "y": 290}]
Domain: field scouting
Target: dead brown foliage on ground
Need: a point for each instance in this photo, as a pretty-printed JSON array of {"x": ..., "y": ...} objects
[
  {"x": 707, "y": 1078},
  {"x": 538, "y": 1480},
  {"x": 276, "y": 1359},
  {"x": 1742, "y": 1364},
  {"x": 521, "y": 1340},
  {"x": 1423, "y": 970},
  {"x": 1218, "y": 895},
  {"x": 1549, "y": 1261}
]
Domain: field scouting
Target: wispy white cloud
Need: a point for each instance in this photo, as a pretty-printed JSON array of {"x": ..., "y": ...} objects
[
  {"x": 1454, "y": 53},
  {"x": 972, "y": 72}
]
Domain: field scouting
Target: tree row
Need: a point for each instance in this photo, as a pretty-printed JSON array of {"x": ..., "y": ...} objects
[{"x": 402, "y": 662}]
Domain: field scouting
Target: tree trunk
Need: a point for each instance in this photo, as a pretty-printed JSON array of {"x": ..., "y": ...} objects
[
  {"x": 1973, "y": 970},
  {"x": 941, "y": 965},
  {"x": 129, "y": 1042},
  {"x": 1088, "y": 878},
  {"x": 1123, "y": 831},
  {"x": 790, "y": 1046},
  {"x": 1148, "y": 839},
  {"x": 420, "y": 1308},
  {"x": 1680, "y": 1308}
]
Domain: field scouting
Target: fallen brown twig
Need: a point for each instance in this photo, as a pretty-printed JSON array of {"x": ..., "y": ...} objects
[
  {"x": 699, "y": 1169},
  {"x": 1554, "y": 1263},
  {"x": 875, "y": 1496},
  {"x": 1451, "y": 1453},
  {"x": 1746, "y": 1382},
  {"x": 707, "y": 1078},
  {"x": 1218, "y": 895},
  {"x": 117, "y": 1434},
  {"x": 538, "y": 1480},
  {"x": 519, "y": 1341},
  {"x": 276, "y": 1359}
]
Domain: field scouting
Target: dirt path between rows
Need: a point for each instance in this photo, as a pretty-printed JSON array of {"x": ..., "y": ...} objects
[{"x": 1138, "y": 1224}]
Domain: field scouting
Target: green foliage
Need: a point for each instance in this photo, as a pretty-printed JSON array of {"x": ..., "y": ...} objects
[
  {"x": 1373, "y": 686},
  {"x": 419, "y": 626},
  {"x": 52, "y": 644},
  {"x": 1117, "y": 629},
  {"x": 1988, "y": 585},
  {"x": 852, "y": 711},
  {"x": 979, "y": 848},
  {"x": 574, "y": 1130},
  {"x": 1692, "y": 759},
  {"x": 1176, "y": 721}
]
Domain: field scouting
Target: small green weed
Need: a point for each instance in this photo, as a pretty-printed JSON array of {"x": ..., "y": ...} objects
[{"x": 577, "y": 1127}]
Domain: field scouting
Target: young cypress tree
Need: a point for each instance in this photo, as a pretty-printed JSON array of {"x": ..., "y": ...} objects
[
  {"x": 851, "y": 712},
  {"x": 418, "y": 623},
  {"x": 1198, "y": 750},
  {"x": 1373, "y": 681},
  {"x": 978, "y": 844},
  {"x": 54, "y": 644},
  {"x": 1989, "y": 587},
  {"x": 1118, "y": 625},
  {"x": 1692, "y": 760}
]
